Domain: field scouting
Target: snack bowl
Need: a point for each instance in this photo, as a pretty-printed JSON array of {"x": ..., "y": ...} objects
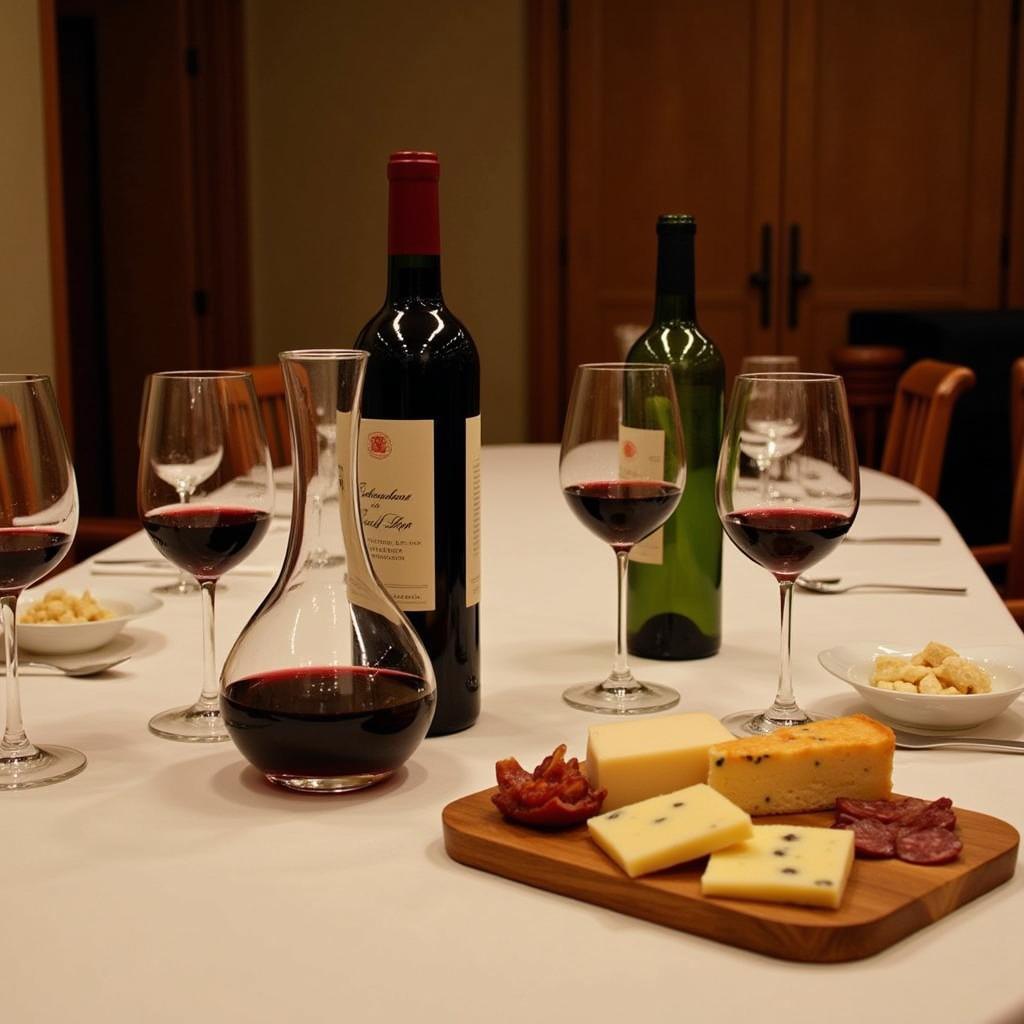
[
  {"x": 854, "y": 663},
  {"x": 78, "y": 637}
]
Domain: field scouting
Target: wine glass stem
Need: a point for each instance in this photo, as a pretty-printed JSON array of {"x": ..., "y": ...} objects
[
  {"x": 15, "y": 743},
  {"x": 784, "y": 704},
  {"x": 208, "y": 699},
  {"x": 621, "y": 677}
]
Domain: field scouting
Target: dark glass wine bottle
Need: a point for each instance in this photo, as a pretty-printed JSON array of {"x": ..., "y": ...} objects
[
  {"x": 675, "y": 576},
  {"x": 419, "y": 454}
]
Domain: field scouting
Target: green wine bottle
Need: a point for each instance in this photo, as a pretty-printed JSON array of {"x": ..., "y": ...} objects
[{"x": 675, "y": 576}]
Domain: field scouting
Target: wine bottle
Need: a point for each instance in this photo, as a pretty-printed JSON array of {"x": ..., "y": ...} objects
[
  {"x": 419, "y": 451},
  {"x": 675, "y": 575}
]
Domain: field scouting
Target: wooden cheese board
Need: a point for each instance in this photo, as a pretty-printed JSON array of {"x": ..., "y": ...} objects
[{"x": 885, "y": 900}]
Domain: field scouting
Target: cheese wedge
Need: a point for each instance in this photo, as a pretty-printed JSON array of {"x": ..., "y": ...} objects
[
  {"x": 804, "y": 768},
  {"x": 669, "y": 829},
  {"x": 784, "y": 864},
  {"x": 644, "y": 758}
]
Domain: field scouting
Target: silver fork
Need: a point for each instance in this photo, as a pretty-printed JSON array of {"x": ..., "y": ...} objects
[{"x": 832, "y": 586}]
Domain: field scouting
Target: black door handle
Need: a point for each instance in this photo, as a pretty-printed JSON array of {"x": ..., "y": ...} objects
[
  {"x": 797, "y": 278},
  {"x": 762, "y": 278}
]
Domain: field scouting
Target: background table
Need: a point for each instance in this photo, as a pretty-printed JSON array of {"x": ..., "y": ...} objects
[{"x": 168, "y": 882}]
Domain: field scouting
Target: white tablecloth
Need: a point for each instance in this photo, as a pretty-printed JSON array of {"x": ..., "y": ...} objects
[{"x": 169, "y": 883}]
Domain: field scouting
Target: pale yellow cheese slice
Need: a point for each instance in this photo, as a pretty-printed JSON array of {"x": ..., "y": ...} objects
[
  {"x": 784, "y": 864},
  {"x": 643, "y": 758},
  {"x": 669, "y": 829}
]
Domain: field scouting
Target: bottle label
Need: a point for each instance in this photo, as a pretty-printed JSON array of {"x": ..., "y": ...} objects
[
  {"x": 363, "y": 590},
  {"x": 642, "y": 457},
  {"x": 472, "y": 511},
  {"x": 396, "y": 496}
]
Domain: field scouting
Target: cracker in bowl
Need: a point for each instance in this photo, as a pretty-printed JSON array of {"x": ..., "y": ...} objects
[
  {"x": 937, "y": 669},
  {"x": 61, "y": 608}
]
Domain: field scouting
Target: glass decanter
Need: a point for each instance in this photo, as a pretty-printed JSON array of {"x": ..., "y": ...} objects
[{"x": 328, "y": 688}]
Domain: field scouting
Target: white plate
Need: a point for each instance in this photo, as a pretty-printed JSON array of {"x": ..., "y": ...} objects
[
  {"x": 854, "y": 664},
  {"x": 76, "y": 638}
]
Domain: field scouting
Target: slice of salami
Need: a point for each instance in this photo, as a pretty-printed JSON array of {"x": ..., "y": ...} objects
[
  {"x": 928, "y": 846},
  {"x": 932, "y": 816},
  {"x": 871, "y": 838},
  {"x": 860, "y": 808}
]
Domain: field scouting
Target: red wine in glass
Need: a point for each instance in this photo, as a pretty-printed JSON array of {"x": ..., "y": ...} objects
[
  {"x": 312, "y": 723},
  {"x": 27, "y": 554},
  {"x": 623, "y": 512},
  {"x": 201, "y": 440},
  {"x": 206, "y": 541},
  {"x": 786, "y": 541},
  {"x": 622, "y": 468},
  {"x": 790, "y": 529}
]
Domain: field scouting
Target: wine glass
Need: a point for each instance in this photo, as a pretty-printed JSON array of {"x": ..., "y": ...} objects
[
  {"x": 184, "y": 584},
  {"x": 622, "y": 470},
  {"x": 38, "y": 519},
  {"x": 787, "y": 533},
  {"x": 205, "y": 494},
  {"x": 772, "y": 430}
]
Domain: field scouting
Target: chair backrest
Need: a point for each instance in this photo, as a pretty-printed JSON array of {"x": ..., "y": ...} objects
[
  {"x": 871, "y": 374},
  {"x": 270, "y": 393},
  {"x": 1016, "y": 413},
  {"x": 1015, "y": 562},
  {"x": 919, "y": 427},
  {"x": 15, "y": 474}
]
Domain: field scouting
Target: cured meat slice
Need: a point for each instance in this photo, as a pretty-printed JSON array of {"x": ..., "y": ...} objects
[
  {"x": 938, "y": 814},
  {"x": 928, "y": 846},
  {"x": 555, "y": 795},
  {"x": 871, "y": 838},
  {"x": 880, "y": 810}
]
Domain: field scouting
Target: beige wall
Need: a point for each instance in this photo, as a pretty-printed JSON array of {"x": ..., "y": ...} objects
[
  {"x": 26, "y": 333},
  {"x": 336, "y": 85}
]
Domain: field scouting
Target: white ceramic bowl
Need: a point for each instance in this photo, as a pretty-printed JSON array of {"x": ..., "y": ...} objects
[
  {"x": 76, "y": 638},
  {"x": 854, "y": 664}
]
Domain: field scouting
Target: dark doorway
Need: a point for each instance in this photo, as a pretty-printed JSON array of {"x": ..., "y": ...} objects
[{"x": 150, "y": 95}]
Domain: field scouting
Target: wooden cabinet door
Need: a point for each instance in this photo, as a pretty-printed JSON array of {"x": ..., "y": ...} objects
[
  {"x": 895, "y": 136},
  {"x": 672, "y": 108}
]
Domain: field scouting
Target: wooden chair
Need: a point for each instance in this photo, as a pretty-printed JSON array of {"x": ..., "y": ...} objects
[
  {"x": 1011, "y": 554},
  {"x": 871, "y": 374},
  {"x": 14, "y": 463},
  {"x": 270, "y": 393},
  {"x": 919, "y": 427}
]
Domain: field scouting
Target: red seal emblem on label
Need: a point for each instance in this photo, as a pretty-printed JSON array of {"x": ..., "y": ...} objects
[
  {"x": 378, "y": 445},
  {"x": 629, "y": 450}
]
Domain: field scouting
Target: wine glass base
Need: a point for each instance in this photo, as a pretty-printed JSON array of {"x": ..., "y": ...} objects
[
  {"x": 329, "y": 784},
  {"x": 179, "y": 588},
  {"x": 51, "y": 764},
  {"x": 190, "y": 724},
  {"x": 756, "y": 723},
  {"x": 641, "y": 699}
]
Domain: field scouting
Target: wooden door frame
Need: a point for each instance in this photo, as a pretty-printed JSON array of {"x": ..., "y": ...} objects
[
  {"x": 219, "y": 126},
  {"x": 546, "y": 102}
]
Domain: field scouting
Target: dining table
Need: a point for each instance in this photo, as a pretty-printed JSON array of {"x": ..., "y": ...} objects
[{"x": 169, "y": 882}]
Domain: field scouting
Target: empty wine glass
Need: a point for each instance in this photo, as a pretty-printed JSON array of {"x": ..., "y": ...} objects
[
  {"x": 773, "y": 429},
  {"x": 787, "y": 532},
  {"x": 38, "y": 519},
  {"x": 622, "y": 470},
  {"x": 206, "y": 493}
]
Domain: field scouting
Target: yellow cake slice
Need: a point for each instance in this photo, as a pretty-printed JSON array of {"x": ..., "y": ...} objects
[{"x": 804, "y": 768}]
